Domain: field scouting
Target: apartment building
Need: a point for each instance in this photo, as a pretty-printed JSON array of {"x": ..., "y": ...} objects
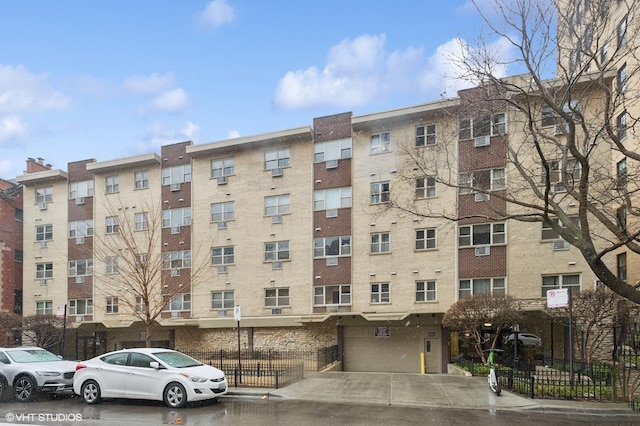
[
  {"x": 359, "y": 231},
  {"x": 11, "y": 255}
]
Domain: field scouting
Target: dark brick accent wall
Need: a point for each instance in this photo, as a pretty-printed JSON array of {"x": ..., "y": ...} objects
[
  {"x": 492, "y": 156},
  {"x": 332, "y": 127},
  {"x": 332, "y": 178},
  {"x": 332, "y": 226},
  {"x": 339, "y": 274},
  {"x": 472, "y": 266},
  {"x": 472, "y": 211},
  {"x": 11, "y": 199}
]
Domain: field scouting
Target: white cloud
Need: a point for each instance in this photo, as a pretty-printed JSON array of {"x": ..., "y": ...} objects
[
  {"x": 149, "y": 85},
  {"x": 191, "y": 131},
  {"x": 233, "y": 134},
  {"x": 216, "y": 14},
  {"x": 170, "y": 101},
  {"x": 21, "y": 91},
  {"x": 12, "y": 129},
  {"x": 6, "y": 168},
  {"x": 159, "y": 134},
  {"x": 362, "y": 71}
]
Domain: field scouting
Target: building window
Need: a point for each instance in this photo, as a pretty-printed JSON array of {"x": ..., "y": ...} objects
[
  {"x": 621, "y": 174},
  {"x": 223, "y": 167},
  {"x": 563, "y": 173},
  {"x": 140, "y": 305},
  {"x": 548, "y": 117},
  {"x": 81, "y": 228},
  {"x": 176, "y": 175},
  {"x": 141, "y": 178},
  {"x": 81, "y": 307},
  {"x": 621, "y": 263},
  {"x": 112, "y": 305},
  {"x": 44, "y": 270},
  {"x": 277, "y": 205},
  {"x": 622, "y": 79},
  {"x": 222, "y": 300},
  {"x": 487, "y": 125},
  {"x": 334, "y": 198},
  {"x": 179, "y": 302},
  {"x": 275, "y": 297},
  {"x": 44, "y": 233},
  {"x": 176, "y": 217},
  {"x": 222, "y": 212},
  {"x": 332, "y": 295},
  {"x": 482, "y": 234},
  {"x": 44, "y": 307},
  {"x": 176, "y": 259},
  {"x": 547, "y": 231},
  {"x": 332, "y": 246},
  {"x": 622, "y": 33},
  {"x": 426, "y": 135},
  {"x": 482, "y": 180},
  {"x": 44, "y": 195},
  {"x": 426, "y": 187},
  {"x": 333, "y": 150},
  {"x": 426, "y": 291},
  {"x": 379, "y": 192},
  {"x": 141, "y": 221},
  {"x": 81, "y": 189},
  {"x": 621, "y": 123},
  {"x": 276, "y": 159},
  {"x": 380, "y": 293},
  {"x": 425, "y": 239},
  {"x": 380, "y": 143},
  {"x": 112, "y": 264},
  {"x": 112, "y": 184},
  {"x": 112, "y": 224},
  {"x": 80, "y": 267},
  {"x": 381, "y": 242},
  {"x": 276, "y": 251},
  {"x": 222, "y": 255},
  {"x": 551, "y": 282},
  {"x": 493, "y": 286}
]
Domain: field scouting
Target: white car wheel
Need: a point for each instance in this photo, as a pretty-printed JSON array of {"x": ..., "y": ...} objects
[
  {"x": 90, "y": 392},
  {"x": 175, "y": 396}
]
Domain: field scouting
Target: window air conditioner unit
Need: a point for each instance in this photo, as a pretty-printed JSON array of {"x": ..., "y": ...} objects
[
  {"x": 79, "y": 240},
  {"x": 222, "y": 180},
  {"x": 560, "y": 245},
  {"x": 43, "y": 281},
  {"x": 175, "y": 187},
  {"x": 332, "y": 261},
  {"x": 276, "y": 265},
  {"x": 483, "y": 251},
  {"x": 276, "y": 219},
  {"x": 332, "y": 164},
  {"x": 276, "y": 311},
  {"x": 482, "y": 197},
  {"x": 222, "y": 312},
  {"x": 43, "y": 244},
  {"x": 175, "y": 272},
  {"x": 175, "y": 230},
  {"x": 79, "y": 318},
  {"x": 175, "y": 314},
  {"x": 276, "y": 172},
  {"x": 79, "y": 280},
  {"x": 332, "y": 309},
  {"x": 43, "y": 206},
  {"x": 558, "y": 187},
  {"x": 598, "y": 284},
  {"x": 481, "y": 141},
  {"x": 80, "y": 201},
  {"x": 222, "y": 269},
  {"x": 222, "y": 225},
  {"x": 332, "y": 213}
]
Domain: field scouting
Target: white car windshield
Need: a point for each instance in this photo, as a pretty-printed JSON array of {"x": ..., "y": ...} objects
[
  {"x": 177, "y": 359},
  {"x": 32, "y": 355}
]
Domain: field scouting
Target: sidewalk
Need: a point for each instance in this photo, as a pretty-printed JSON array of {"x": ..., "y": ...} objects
[{"x": 415, "y": 390}]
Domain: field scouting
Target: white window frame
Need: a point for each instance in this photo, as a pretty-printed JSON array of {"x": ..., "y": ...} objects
[
  {"x": 428, "y": 239},
  {"x": 222, "y": 167},
  {"x": 380, "y": 293},
  {"x": 380, "y": 143},
  {"x": 178, "y": 259},
  {"x": 112, "y": 184},
  {"x": 81, "y": 228},
  {"x": 223, "y": 212},
  {"x": 560, "y": 282},
  {"x": 622, "y": 78},
  {"x": 44, "y": 232},
  {"x": 426, "y": 187},
  {"x": 497, "y": 234},
  {"x": 111, "y": 305},
  {"x": 44, "y": 195},
  {"x": 176, "y": 174},
  {"x": 224, "y": 299},
  {"x": 112, "y": 225},
  {"x": 176, "y": 217},
  {"x": 112, "y": 265},
  {"x": 178, "y": 303},
  {"x": 44, "y": 307},
  {"x": 141, "y": 221},
  {"x": 80, "y": 307},
  {"x": 470, "y": 182},
  {"x": 81, "y": 189},
  {"x": 342, "y": 291},
  {"x": 80, "y": 268},
  {"x": 44, "y": 270},
  {"x": 380, "y": 192},
  {"x": 224, "y": 255},
  {"x": 497, "y": 286},
  {"x": 425, "y": 135},
  {"x": 276, "y": 251},
  {"x": 277, "y": 159},
  {"x": 141, "y": 179},
  {"x": 277, "y": 297},
  {"x": 621, "y": 125},
  {"x": 334, "y": 198},
  {"x": 332, "y": 150},
  {"x": 276, "y": 205},
  {"x": 426, "y": 291},
  {"x": 326, "y": 247},
  {"x": 380, "y": 243}
]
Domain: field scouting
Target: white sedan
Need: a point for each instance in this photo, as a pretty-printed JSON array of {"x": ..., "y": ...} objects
[
  {"x": 524, "y": 339},
  {"x": 148, "y": 373}
]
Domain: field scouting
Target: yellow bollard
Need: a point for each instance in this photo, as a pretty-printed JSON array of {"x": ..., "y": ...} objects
[{"x": 422, "y": 363}]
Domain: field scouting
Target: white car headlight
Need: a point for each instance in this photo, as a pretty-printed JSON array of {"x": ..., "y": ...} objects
[
  {"x": 193, "y": 378},
  {"x": 48, "y": 373}
]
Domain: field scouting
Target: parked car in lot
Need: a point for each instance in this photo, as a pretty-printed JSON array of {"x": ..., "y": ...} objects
[
  {"x": 148, "y": 373},
  {"x": 524, "y": 339},
  {"x": 28, "y": 370}
]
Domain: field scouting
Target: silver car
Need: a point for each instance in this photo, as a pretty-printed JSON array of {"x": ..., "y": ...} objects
[
  {"x": 524, "y": 339},
  {"x": 28, "y": 370}
]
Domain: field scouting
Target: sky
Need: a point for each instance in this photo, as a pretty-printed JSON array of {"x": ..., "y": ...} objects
[{"x": 112, "y": 79}]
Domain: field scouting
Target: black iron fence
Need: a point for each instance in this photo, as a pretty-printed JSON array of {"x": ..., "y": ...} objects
[{"x": 268, "y": 367}]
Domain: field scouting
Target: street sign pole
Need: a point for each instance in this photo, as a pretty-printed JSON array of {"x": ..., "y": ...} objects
[{"x": 236, "y": 316}]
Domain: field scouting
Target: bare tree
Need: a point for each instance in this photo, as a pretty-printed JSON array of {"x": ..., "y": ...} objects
[
  {"x": 10, "y": 325},
  {"x": 477, "y": 314},
  {"x": 142, "y": 276},
  {"x": 44, "y": 331},
  {"x": 571, "y": 153}
]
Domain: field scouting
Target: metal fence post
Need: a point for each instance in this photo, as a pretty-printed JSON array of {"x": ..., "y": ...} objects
[{"x": 532, "y": 380}]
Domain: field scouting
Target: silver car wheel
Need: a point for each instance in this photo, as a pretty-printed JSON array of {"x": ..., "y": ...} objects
[
  {"x": 24, "y": 389},
  {"x": 175, "y": 396},
  {"x": 91, "y": 392}
]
